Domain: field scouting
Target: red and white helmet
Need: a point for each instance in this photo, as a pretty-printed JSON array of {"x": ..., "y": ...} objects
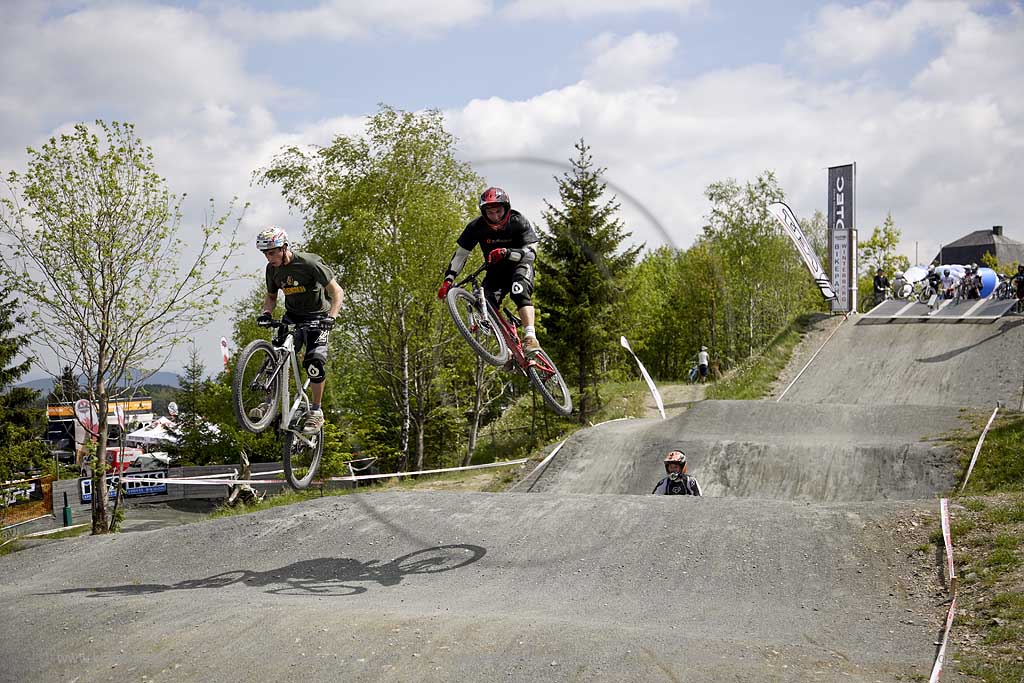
[
  {"x": 271, "y": 237},
  {"x": 493, "y": 196},
  {"x": 677, "y": 457}
]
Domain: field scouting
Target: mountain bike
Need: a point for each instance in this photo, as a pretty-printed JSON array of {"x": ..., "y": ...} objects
[
  {"x": 1004, "y": 290},
  {"x": 902, "y": 290},
  {"x": 927, "y": 291},
  {"x": 261, "y": 397},
  {"x": 492, "y": 334}
]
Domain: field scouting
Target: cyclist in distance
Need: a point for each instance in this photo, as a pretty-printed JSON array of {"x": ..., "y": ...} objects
[
  {"x": 678, "y": 482},
  {"x": 949, "y": 283},
  {"x": 507, "y": 241},
  {"x": 310, "y": 293}
]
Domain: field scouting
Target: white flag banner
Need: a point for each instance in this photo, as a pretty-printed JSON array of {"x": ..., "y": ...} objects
[
  {"x": 224, "y": 351},
  {"x": 784, "y": 215},
  {"x": 643, "y": 371}
]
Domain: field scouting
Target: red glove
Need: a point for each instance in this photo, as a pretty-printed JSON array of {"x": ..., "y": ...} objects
[
  {"x": 442, "y": 292},
  {"x": 497, "y": 255}
]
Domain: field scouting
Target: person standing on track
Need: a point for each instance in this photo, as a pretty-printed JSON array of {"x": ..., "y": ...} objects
[
  {"x": 702, "y": 364},
  {"x": 507, "y": 241}
]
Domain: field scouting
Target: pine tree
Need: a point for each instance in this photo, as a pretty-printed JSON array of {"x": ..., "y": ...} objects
[
  {"x": 20, "y": 422},
  {"x": 581, "y": 277},
  {"x": 65, "y": 388}
]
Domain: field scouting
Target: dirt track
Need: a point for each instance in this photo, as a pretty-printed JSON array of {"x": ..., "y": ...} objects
[{"x": 804, "y": 565}]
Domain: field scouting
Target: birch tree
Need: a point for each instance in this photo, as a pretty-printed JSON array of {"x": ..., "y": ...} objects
[{"x": 93, "y": 238}]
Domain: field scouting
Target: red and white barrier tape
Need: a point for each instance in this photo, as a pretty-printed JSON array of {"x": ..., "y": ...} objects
[
  {"x": 977, "y": 449},
  {"x": 951, "y": 572},
  {"x": 232, "y": 482},
  {"x": 391, "y": 475},
  {"x": 542, "y": 465},
  {"x": 947, "y": 537},
  {"x": 845, "y": 317},
  {"x": 937, "y": 668}
]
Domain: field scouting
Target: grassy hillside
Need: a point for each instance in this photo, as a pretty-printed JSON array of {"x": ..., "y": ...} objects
[{"x": 988, "y": 541}]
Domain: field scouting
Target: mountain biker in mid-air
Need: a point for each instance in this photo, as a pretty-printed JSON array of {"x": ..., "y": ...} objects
[
  {"x": 678, "y": 482},
  {"x": 507, "y": 241},
  {"x": 310, "y": 293}
]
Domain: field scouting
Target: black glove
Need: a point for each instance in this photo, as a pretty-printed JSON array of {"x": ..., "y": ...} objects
[
  {"x": 326, "y": 323},
  {"x": 264, "y": 320}
]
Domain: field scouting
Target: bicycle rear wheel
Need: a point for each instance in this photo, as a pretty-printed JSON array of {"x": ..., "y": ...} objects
[
  {"x": 479, "y": 330},
  {"x": 301, "y": 459},
  {"x": 254, "y": 389},
  {"x": 548, "y": 380}
]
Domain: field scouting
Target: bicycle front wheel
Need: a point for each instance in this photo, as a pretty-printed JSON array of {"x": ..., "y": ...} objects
[
  {"x": 548, "y": 380},
  {"x": 479, "y": 329},
  {"x": 254, "y": 389},
  {"x": 301, "y": 459}
]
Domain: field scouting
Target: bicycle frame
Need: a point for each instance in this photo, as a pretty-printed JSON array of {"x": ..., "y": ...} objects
[
  {"x": 286, "y": 354},
  {"x": 508, "y": 330}
]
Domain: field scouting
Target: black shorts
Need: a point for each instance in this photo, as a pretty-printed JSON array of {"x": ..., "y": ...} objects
[
  {"x": 703, "y": 370},
  {"x": 313, "y": 341},
  {"x": 504, "y": 280}
]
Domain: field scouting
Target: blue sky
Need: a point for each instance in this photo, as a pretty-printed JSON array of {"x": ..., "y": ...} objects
[{"x": 926, "y": 96}]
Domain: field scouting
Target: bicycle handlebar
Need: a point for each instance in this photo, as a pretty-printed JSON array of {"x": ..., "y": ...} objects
[
  {"x": 472, "y": 276},
  {"x": 306, "y": 324}
]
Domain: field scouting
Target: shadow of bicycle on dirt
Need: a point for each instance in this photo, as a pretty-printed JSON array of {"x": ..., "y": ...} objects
[{"x": 326, "y": 576}]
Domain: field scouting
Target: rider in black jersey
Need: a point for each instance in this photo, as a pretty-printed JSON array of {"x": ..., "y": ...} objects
[{"x": 507, "y": 241}]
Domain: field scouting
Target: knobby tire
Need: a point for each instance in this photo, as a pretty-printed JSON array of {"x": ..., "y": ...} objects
[
  {"x": 477, "y": 323},
  {"x": 551, "y": 386},
  {"x": 252, "y": 385},
  {"x": 301, "y": 462}
]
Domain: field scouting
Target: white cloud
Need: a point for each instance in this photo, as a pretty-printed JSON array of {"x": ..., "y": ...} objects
[
  {"x": 344, "y": 19},
  {"x": 941, "y": 154},
  {"x": 861, "y": 34},
  {"x": 637, "y": 58},
  {"x": 941, "y": 162},
  {"x": 581, "y": 9}
]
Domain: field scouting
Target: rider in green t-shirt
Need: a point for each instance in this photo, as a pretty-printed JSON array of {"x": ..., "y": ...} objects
[{"x": 310, "y": 293}]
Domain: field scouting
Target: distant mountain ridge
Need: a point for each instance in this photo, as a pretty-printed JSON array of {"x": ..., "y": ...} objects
[{"x": 163, "y": 378}]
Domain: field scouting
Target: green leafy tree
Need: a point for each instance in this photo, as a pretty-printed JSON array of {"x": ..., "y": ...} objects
[
  {"x": 582, "y": 273},
  {"x": 197, "y": 441},
  {"x": 762, "y": 281},
  {"x": 879, "y": 251},
  {"x": 20, "y": 422},
  {"x": 92, "y": 237}
]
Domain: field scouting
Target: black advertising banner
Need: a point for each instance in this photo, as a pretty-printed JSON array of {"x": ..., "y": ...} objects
[{"x": 841, "y": 234}]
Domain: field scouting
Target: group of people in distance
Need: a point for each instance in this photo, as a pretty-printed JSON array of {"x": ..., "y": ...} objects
[{"x": 944, "y": 281}]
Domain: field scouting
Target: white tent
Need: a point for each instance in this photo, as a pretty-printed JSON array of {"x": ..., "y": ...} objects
[
  {"x": 159, "y": 431},
  {"x": 156, "y": 431}
]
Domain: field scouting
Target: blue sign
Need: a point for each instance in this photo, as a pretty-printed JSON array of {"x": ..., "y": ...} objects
[{"x": 132, "y": 485}]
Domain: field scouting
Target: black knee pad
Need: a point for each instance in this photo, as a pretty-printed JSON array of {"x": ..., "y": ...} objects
[
  {"x": 315, "y": 369},
  {"x": 520, "y": 293}
]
